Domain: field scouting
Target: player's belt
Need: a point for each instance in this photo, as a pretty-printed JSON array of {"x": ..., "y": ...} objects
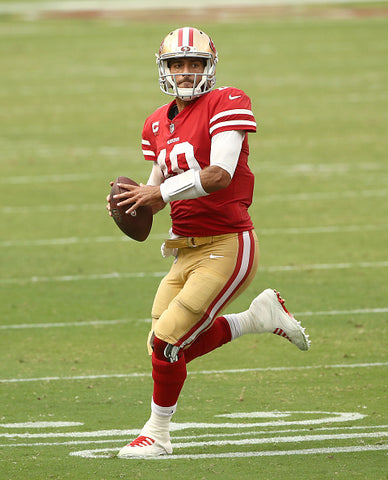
[{"x": 192, "y": 242}]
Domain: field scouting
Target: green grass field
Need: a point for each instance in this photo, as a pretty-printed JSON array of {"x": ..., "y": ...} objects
[{"x": 75, "y": 295}]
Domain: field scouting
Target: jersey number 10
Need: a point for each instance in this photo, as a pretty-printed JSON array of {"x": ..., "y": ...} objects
[{"x": 180, "y": 159}]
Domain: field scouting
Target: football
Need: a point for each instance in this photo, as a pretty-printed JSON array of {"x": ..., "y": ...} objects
[{"x": 136, "y": 225}]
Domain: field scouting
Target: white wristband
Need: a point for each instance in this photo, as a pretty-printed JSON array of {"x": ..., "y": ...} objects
[{"x": 185, "y": 186}]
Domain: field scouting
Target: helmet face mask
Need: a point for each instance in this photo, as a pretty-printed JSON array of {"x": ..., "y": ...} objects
[{"x": 187, "y": 42}]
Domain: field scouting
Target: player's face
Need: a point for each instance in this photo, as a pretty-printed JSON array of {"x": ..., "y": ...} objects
[{"x": 185, "y": 68}]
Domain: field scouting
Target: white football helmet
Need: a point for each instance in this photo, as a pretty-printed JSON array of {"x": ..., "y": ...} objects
[{"x": 187, "y": 42}]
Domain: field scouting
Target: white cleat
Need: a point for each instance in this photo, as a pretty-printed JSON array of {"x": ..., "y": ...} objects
[
  {"x": 145, "y": 447},
  {"x": 267, "y": 313}
]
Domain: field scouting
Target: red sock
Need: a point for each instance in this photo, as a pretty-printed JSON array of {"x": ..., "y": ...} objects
[
  {"x": 168, "y": 377},
  {"x": 217, "y": 335}
]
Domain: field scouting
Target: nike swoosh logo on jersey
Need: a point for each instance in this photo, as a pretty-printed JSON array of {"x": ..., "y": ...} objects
[
  {"x": 216, "y": 256},
  {"x": 233, "y": 97}
]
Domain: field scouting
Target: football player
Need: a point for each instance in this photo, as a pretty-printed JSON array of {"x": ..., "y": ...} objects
[{"x": 197, "y": 146}]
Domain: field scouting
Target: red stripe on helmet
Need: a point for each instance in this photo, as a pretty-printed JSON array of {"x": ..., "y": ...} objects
[
  {"x": 180, "y": 37},
  {"x": 191, "y": 37}
]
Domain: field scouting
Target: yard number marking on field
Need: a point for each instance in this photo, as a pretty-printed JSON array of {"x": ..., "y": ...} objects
[{"x": 242, "y": 429}]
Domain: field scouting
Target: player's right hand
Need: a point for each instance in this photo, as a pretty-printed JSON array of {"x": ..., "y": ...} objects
[{"x": 108, "y": 200}]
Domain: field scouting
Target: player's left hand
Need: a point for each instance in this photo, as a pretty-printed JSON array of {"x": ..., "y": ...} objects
[{"x": 136, "y": 196}]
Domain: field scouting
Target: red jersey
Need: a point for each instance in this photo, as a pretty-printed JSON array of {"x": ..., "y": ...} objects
[{"x": 185, "y": 142}]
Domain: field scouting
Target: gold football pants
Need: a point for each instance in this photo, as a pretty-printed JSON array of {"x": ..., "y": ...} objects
[{"x": 200, "y": 284}]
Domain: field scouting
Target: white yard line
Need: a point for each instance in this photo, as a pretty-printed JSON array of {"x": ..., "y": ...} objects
[
  {"x": 245, "y": 441},
  {"x": 358, "y": 311},
  {"x": 286, "y": 439},
  {"x": 270, "y": 453},
  {"x": 86, "y": 207},
  {"x": 106, "y": 452},
  {"x": 203, "y": 372},
  {"x": 300, "y": 197},
  {"x": 324, "y": 195},
  {"x": 325, "y": 266},
  {"x": 285, "y": 169},
  {"x": 319, "y": 230},
  {"x": 56, "y": 178},
  {"x": 43, "y": 242},
  {"x": 127, "y": 432},
  {"x": 72, "y": 278},
  {"x": 92, "y": 323},
  {"x": 123, "y": 275}
]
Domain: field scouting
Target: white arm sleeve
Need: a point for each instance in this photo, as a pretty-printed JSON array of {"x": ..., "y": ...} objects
[
  {"x": 226, "y": 148},
  {"x": 156, "y": 176}
]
